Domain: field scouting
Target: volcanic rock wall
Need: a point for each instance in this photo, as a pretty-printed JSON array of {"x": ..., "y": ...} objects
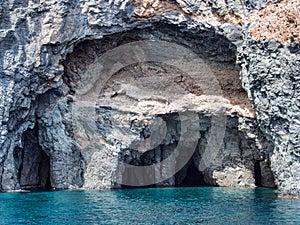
[{"x": 48, "y": 48}]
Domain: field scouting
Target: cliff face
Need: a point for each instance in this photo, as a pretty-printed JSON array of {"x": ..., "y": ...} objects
[{"x": 88, "y": 87}]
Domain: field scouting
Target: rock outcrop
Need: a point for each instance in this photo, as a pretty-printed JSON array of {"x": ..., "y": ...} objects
[{"x": 74, "y": 112}]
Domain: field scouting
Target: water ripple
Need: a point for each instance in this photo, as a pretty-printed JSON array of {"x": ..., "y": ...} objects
[{"x": 205, "y": 205}]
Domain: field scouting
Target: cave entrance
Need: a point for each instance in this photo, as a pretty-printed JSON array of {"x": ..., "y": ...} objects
[
  {"x": 189, "y": 176},
  {"x": 263, "y": 174},
  {"x": 127, "y": 110},
  {"x": 179, "y": 175},
  {"x": 257, "y": 174},
  {"x": 34, "y": 169}
]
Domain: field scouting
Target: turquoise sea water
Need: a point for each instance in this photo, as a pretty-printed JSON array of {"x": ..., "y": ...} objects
[{"x": 203, "y": 205}]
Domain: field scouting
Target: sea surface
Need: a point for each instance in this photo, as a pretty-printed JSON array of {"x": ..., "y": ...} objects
[{"x": 201, "y": 205}]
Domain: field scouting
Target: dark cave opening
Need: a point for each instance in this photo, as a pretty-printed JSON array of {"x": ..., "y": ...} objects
[
  {"x": 257, "y": 174},
  {"x": 34, "y": 169},
  {"x": 189, "y": 176},
  {"x": 263, "y": 174}
]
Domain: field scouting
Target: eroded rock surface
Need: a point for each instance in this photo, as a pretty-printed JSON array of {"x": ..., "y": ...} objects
[{"x": 49, "y": 48}]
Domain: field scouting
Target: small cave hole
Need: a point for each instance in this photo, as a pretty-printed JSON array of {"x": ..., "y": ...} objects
[
  {"x": 34, "y": 169},
  {"x": 189, "y": 176},
  {"x": 257, "y": 174}
]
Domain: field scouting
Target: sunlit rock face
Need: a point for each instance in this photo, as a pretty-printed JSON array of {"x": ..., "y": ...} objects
[{"x": 64, "y": 125}]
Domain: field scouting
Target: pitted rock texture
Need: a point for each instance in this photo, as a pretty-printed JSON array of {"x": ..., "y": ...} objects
[
  {"x": 279, "y": 22},
  {"x": 275, "y": 95},
  {"x": 37, "y": 87}
]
